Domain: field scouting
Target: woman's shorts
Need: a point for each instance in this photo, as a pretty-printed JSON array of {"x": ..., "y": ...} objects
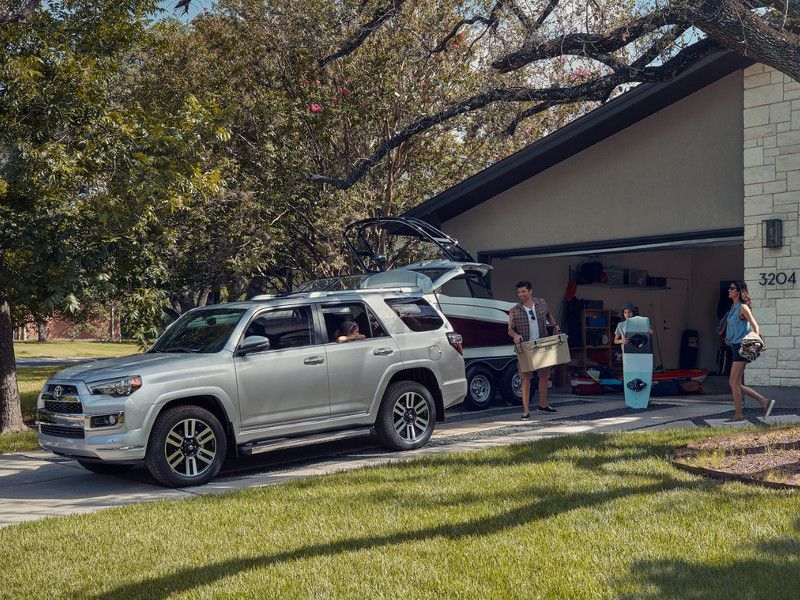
[{"x": 736, "y": 356}]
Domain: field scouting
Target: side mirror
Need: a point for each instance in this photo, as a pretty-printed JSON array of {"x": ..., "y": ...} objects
[{"x": 252, "y": 343}]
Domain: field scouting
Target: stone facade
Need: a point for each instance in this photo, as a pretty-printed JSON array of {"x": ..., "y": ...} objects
[{"x": 772, "y": 191}]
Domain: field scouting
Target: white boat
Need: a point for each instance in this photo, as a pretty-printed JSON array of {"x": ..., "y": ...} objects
[{"x": 462, "y": 286}]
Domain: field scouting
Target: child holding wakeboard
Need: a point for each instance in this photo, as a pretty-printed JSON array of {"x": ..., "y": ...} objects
[{"x": 619, "y": 333}]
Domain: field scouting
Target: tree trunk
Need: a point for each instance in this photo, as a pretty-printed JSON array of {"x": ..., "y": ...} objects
[
  {"x": 43, "y": 331},
  {"x": 111, "y": 331},
  {"x": 10, "y": 406}
]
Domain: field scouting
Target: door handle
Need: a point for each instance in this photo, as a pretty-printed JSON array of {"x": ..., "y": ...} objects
[
  {"x": 382, "y": 351},
  {"x": 314, "y": 360}
]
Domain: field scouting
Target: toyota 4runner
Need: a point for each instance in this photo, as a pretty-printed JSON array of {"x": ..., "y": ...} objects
[{"x": 247, "y": 377}]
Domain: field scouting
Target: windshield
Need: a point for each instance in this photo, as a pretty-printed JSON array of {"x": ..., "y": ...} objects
[{"x": 203, "y": 331}]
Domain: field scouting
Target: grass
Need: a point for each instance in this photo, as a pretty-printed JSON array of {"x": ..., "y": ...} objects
[
  {"x": 585, "y": 516},
  {"x": 30, "y": 381},
  {"x": 66, "y": 349}
]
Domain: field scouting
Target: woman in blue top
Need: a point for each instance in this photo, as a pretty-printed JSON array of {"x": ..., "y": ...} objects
[{"x": 738, "y": 323}]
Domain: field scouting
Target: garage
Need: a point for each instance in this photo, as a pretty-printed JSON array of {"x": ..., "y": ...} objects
[{"x": 655, "y": 190}]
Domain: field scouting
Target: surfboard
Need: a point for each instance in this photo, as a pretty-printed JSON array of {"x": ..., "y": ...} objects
[{"x": 637, "y": 363}]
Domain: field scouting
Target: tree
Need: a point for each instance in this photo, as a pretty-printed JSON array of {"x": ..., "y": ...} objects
[
  {"x": 85, "y": 177},
  {"x": 287, "y": 118},
  {"x": 608, "y": 49}
]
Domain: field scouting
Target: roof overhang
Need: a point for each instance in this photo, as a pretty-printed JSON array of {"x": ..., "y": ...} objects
[{"x": 676, "y": 241}]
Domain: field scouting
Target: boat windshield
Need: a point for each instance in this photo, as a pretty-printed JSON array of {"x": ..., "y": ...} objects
[{"x": 390, "y": 242}]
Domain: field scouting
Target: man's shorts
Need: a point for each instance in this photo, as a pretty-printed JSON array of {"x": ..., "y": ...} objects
[{"x": 527, "y": 376}]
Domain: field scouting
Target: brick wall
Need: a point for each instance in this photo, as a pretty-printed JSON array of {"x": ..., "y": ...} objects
[
  {"x": 772, "y": 191},
  {"x": 59, "y": 328}
]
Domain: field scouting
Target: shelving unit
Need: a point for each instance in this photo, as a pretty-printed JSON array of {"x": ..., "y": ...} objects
[{"x": 587, "y": 351}]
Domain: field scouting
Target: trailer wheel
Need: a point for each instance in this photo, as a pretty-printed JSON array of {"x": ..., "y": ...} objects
[
  {"x": 511, "y": 384},
  {"x": 481, "y": 388}
]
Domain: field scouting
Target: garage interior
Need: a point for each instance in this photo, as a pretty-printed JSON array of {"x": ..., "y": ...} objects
[{"x": 688, "y": 277}]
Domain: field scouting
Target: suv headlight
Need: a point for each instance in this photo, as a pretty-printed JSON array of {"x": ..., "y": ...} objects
[{"x": 116, "y": 387}]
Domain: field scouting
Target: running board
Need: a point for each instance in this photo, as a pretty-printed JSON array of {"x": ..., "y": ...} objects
[{"x": 280, "y": 443}]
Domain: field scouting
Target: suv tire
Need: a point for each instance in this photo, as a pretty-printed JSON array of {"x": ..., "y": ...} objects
[
  {"x": 406, "y": 417},
  {"x": 481, "y": 388},
  {"x": 187, "y": 446},
  {"x": 104, "y": 468}
]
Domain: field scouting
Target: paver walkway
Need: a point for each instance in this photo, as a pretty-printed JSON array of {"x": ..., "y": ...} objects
[{"x": 34, "y": 485}]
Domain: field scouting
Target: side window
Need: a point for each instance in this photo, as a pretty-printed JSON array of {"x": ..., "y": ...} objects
[
  {"x": 285, "y": 328},
  {"x": 416, "y": 313},
  {"x": 352, "y": 317}
]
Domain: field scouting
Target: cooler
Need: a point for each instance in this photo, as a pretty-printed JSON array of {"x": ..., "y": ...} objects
[{"x": 544, "y": 352}]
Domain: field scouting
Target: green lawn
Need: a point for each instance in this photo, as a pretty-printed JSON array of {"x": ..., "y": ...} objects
[
  {"x": 30, "y": 381},
  {"x": 574, "y": 517},
  {"x": 66, "y": 349}
]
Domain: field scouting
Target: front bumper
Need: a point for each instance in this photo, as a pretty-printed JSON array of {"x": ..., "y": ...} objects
[{"x": 75, "y": 436}]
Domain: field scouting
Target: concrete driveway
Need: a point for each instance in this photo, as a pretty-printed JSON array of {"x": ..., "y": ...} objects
[{"x": 34, "y": 485}]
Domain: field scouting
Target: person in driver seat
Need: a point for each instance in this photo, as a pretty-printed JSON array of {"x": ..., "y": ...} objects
[{"x": 348, "y": 331}]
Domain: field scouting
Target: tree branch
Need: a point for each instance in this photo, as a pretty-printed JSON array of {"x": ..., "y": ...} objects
[
  {"x": 490, "y": 21},
  {"x": 598, "y": 90},
  {"x": 9, "y": 15},
  {"x": 738, "y": 28},
  {"x": 587, "y": 44},
  {"x": 363, "y": 32}
]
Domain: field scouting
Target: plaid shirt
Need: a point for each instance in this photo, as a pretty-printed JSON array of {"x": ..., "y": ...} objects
[{"x": 520, "y": 321}]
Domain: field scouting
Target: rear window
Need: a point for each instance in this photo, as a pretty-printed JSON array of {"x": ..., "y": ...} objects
[{"x": 416, "y": 313}]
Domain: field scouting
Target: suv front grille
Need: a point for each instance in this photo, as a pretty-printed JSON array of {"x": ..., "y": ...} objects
[
  {"x": 63, "y": 407},
  {"x": 60, "y": 431},
  {"x": 65, "y": 389}
]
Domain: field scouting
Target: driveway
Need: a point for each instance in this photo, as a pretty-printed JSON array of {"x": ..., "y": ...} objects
[{"x": 35, "y": 485}]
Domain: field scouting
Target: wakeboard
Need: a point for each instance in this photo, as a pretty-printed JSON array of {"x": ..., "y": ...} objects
[{"x": 637, "y": 363}]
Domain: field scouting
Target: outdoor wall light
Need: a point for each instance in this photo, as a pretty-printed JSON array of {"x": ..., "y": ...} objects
[{"x": 771, "y": 233}]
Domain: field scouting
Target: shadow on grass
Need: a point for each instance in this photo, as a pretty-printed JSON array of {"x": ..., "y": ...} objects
[
  {"x": 547, "y": 503},
  {"x": 773, "y": 574}
]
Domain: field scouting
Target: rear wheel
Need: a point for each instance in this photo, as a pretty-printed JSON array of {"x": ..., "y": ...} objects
[
  {"x": 187, "y": 447},
  {"x": 103, "y": 468},
  {"x": 406, "y": 417},
  {"x": 511, "y": 384},
  {"x": 481, "y": 388}
]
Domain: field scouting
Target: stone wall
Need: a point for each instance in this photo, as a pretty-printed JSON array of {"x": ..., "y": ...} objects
[{"x": 772, "y": 191}]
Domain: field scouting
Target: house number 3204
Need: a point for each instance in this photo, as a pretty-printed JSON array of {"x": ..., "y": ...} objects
[{"x": 777, "y": 278}]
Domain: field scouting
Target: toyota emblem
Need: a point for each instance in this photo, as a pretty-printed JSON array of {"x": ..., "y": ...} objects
[{"x": 58, "y": 391}]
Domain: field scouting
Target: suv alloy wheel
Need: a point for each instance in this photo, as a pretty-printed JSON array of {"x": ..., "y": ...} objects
[{"x": 187, "y": 447}]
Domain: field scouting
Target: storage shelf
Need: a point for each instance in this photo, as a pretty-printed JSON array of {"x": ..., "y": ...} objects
[{"x": 584, "y": 351}]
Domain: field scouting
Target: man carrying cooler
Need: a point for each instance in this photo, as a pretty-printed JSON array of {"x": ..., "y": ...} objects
[{"x": 528, "y": 321}]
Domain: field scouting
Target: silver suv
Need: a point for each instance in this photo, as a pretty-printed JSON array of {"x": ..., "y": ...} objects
[{"x": 253, "y": 376}]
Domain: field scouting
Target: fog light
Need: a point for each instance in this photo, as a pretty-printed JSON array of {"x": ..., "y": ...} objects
[{"x": 106, "y": 420}]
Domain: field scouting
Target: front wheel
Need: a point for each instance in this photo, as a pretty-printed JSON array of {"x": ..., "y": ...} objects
[
  {"x": 187, "y": 447},
  {"x": 406, "y": 417}
]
